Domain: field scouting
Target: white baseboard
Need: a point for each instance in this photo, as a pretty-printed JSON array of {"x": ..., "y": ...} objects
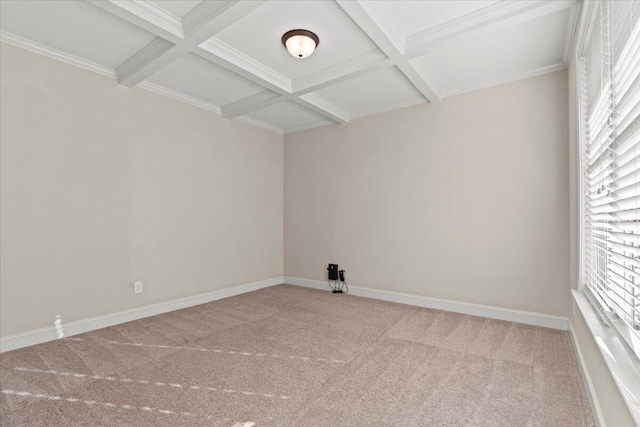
[
  {"x": 526, "y": 317},
  {"x": 588, "y": 382},
  {"x": 37, "y": 336}
]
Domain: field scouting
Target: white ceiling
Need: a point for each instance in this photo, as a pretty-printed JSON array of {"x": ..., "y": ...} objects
[
  {"x": 417, "y": 15},
  {"x": 227, "y": 57}
]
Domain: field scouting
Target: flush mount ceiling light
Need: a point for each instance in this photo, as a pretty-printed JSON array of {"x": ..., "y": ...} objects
[{"x": 300, "y": 43}]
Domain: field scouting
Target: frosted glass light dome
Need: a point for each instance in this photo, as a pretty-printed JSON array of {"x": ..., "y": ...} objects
[{"x": 300, "y": 43}]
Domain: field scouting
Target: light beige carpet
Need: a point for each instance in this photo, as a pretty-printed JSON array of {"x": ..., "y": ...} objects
[{"x": 289, "y": 356}]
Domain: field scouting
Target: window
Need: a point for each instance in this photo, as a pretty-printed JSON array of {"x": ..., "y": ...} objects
[{"x": 609, "y": 85}]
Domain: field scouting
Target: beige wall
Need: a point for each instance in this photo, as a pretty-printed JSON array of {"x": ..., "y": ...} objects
[
  {"x": 102, "y": 185},
  {"x": 466, "y": 199},
  {"x": 469, "y": 199},
  {"x": 614, "y": 410}
]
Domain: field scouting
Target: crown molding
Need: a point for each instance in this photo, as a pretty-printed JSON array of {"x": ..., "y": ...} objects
[
  {"x": 403, "y": 104},
  {"x": 467, "y": 23},
  {"x": 161, "y": 90},
  {"x": 52, "y": 53},
  {"x": 426, "y": 83},
  {"x": 359, "y": 14},
  {"x": 360, "y": 65},
  {"x": 23, "y": 43},
  {"x": 261, "y": 124},
  {"x": 377, "y": 26},
  {"x": 221, "y": 53},
  {"x": 205, "y": 105},
  {"x": 314, "y": 125},
  {"x": 323, "y": 106},
  {"x": 146, "y": 15},
  {"x": 257, "y": 101},
  {"x": 392, "y": 50},
  {"x": 585, "y": 26},
  {"x": 154, "y": 14},
  {"x": 308, "y": 126},
  {"x": 201, "y": 14},
  {"x": 206, "y": 19},
  {"x": 198, "y": 25},
  {"x": 486, "y": 19},
  {"x": 571, "y": 32},
  {"x": 129, "y": 71},
  {"x": 384, "y": 22},
  {"x": 432, "y": 82},
  {"x": 508, "y": 79}
]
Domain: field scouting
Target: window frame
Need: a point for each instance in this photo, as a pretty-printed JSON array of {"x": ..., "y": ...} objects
[
  {"x": 609, "y": 317},
  {"x": 610, "y": 334}
]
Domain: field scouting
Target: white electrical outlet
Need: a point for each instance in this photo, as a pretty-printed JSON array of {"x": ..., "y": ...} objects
[{"x": 137, "y": 287}]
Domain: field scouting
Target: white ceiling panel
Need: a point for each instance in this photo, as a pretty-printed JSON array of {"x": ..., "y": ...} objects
[
  {"x": 177, "y": 8},
  {"x": 499, "y": 56},
  {"x": 286, "y": 115},
  {"x": 203, "y": 80},
  {"x": 373, "y": 92},
  {"x": 359, "y": 67},
  {"x": 259, "y": 35},
  {"x": 419, "y": 15},
  {"x": 74, "y": 27}
]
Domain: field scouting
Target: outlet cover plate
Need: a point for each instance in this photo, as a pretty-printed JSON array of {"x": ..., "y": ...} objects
[{"x": 137, "y": 287}]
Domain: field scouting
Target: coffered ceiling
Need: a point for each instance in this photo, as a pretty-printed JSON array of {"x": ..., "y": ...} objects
[{"x": 226, "y": 56}]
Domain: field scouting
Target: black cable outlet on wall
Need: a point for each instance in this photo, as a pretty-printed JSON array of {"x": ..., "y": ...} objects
[{"x": 333, "y": 271}]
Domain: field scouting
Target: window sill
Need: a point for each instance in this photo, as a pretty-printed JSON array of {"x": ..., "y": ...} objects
[{"x": 615, "y": 354}]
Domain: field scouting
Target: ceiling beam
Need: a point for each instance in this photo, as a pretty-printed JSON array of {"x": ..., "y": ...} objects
[
  {"x": 357, "y": 66},
  {"x": 360, "y": 65},
  {"x": 381, "y": 32},
  {"x": 222, "y": 54},
  {"x": 260, "y": 100},
  {"x": 322, "y": 106},
  {"x": 427, "y": 84},
  {"x": 145, "y": 15},
  {"x": 194, "y": 34},
  {"x": 363, "y": 19},
  {"x": 205, "y": 20},
  {"x": 311, "y": 101},
  {"x": 177, "y": 38},
  {"x": 146, "y": 61}
]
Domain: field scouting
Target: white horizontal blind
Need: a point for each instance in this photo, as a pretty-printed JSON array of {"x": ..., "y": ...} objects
[{"x": 610, "y": 92}]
